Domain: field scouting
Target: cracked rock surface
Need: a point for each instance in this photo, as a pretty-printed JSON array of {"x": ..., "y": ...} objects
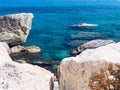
[{"x": 15, "y": 28}]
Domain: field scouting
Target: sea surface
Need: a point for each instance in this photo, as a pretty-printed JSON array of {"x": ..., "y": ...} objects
[{"x": 51, "y": 32}]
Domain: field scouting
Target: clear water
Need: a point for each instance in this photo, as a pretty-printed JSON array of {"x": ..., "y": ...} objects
[{"x": 51, "y": 31}]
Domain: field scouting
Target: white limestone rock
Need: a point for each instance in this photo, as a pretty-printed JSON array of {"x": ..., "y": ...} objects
[
  {"x": 28, "y": 50},
  {"x": 16, "y": 76},
  {"x": 92, "y": 69},
  {"x": 15, "y": 28}
]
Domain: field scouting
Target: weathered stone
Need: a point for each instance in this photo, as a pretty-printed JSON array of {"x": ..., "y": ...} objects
[
  {"x": 16, "y": 76},
  {"x": 15, "y": 28},
  {"x": 93, "y": 69},
  {"x": 91, "y": 45},
  {"x": 33, "y": 49},
  {"x": 17, "y": 49},
  {"x": 21, "y": 49}
]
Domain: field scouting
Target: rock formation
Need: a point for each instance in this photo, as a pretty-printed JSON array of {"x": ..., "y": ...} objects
[
  {"x": 21, "y": 49},
  {"x": 91, "y": 45},
  {"x": 28, "y": 53},
  {"x": 15, "y": 28},
  {"x": 16, "y": 76},
  {"x": 93, "y": 69}
]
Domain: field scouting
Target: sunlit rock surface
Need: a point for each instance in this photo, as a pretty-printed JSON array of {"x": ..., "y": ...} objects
[
  {"x": 93, "y": 69},
  {"x": 15, "y": 28}
]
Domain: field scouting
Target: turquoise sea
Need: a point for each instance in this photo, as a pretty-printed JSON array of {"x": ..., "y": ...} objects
[{"x": 51, "y": 32}]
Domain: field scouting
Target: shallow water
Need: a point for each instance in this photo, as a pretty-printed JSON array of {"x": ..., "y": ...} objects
[{"x": 51, "y": 31}]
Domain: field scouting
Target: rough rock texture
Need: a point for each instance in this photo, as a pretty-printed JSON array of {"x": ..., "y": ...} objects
[
  {"x": 15, "y": 28},
  {"x": 15, "y": 76},
  {"x": 91, "y": 45},
  {"x": 17, "y": 49},
  {"x": 33, "y": 49},
  {"x": 21, "y": 49},
  {"x": 28, "y": 54},
  {"x": 93, "y": 69}
]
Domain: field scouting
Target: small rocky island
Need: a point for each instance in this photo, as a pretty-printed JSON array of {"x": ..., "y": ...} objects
[{"x": 94, "y": 66}]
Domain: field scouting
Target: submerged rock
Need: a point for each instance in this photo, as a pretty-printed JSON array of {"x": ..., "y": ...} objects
[
  {"x": 91, "y": 45},
  {"x": 16, "y": 76},
  {"x": 87, "y": 34},
  {"x": 15, "y": 28},
  {"x": 93, "y": 69},
  {"x": 76, "y": 43}
]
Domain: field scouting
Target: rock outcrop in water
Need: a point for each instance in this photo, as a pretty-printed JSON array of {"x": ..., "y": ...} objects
[
  {"x": 15, "y": 28},
  {"x": 27, "y": 50},
  {"x": 15, "y": 76},
  {"x": 93, "y": 69},
  {"x": 91, "y": 45}
]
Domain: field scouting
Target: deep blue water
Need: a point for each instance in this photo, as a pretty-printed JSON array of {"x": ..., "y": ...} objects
[{"x": 51, "y": 31}]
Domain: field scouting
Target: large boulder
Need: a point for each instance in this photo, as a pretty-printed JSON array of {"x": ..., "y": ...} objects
[
  {"x": 93, "y": 69},
  {"x": 91, "y": 45},
  {"x": 15, "y": 28},
  {"x": 16, "y": 76}
]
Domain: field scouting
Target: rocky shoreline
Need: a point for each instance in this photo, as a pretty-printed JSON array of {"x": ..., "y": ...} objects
[{"x": 95, "y": 65}]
